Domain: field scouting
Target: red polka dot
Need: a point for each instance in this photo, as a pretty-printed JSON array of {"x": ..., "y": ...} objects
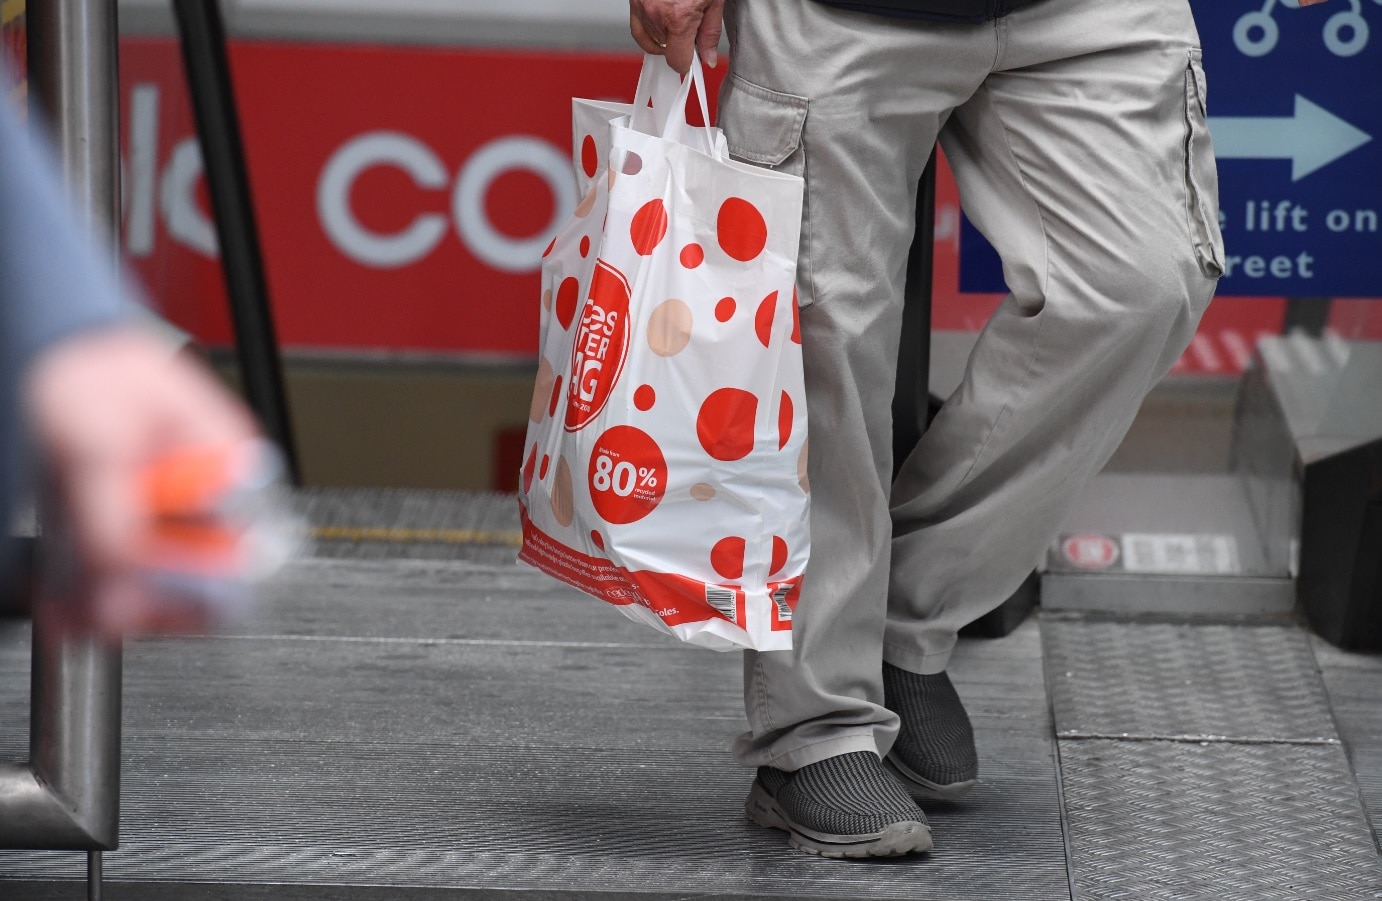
[
  {"x": 763, "y": 322},
  {"x": 542, "y": 470},
  {"x": 590, "y": 159},
  {"x": 567, "y": 295},
  {"x": 727, "y": 557},
  {"x": 796, "y": 318},
  {"x": 649, "y": 227},
  {"x": 585, "y": 247},
  {"x": 784, "y": 420},
  {"x": 779, "y": 555},
  {"x": 528, "y": 468},
  {"x": 548, "y": 251},
  {"x": 692, "y": 256},
  {"x": 741, "y": 230},
  {"x": 724, "y": 424},
  {"x": 644, "y": 397},
  {"x": 633, "y": 163},
  {"x": 724, "y": 310},
  {"x": 597, "y": 540},
  {"x": 556, "y": 397}
]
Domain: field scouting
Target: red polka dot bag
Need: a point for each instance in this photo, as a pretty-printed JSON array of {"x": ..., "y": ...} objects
[{"x": 665, "y": 463}]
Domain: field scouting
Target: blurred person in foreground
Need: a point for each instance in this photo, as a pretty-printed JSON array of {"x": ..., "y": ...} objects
[
  {"x": 89, "y": 396},
  {"x": 1077, "y": 133}
]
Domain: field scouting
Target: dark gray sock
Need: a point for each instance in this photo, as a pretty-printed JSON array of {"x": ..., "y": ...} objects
[{"x": 936, "y": 740}]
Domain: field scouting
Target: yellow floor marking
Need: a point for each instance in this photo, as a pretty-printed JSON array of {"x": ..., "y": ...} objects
[{"x": 411, "y": 536}]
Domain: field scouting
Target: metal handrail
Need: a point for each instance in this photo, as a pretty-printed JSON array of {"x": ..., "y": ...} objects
[{"x": 67, "y": 796}]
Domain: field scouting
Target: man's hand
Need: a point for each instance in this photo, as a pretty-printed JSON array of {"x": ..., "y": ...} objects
[
  {"x": 104, "y": 405},
  {"x": 675, "y": 28}
]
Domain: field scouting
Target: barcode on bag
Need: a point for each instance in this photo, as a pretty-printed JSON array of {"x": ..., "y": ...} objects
[
  {"x": 722, "y": 599},
  {"x": 784, "y": 613}
]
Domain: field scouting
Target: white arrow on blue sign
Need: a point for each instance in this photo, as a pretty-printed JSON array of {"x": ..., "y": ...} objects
[{"x": 1311, "y": 139}]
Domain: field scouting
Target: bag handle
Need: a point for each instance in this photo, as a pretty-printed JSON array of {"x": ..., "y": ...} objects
[
  {"x": 676, "y": 125},
  {"x": 658, "y": 86}
]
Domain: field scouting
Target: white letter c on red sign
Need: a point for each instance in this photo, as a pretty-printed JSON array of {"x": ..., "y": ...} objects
[{"x": 333, "y": 199}]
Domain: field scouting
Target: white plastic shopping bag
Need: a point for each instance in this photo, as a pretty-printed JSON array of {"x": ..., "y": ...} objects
[{"x": 665, "y": 462}]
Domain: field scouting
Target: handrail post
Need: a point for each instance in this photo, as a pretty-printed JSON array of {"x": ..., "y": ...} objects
[
  {"x": 74, "y": 76},
  {"x": 66, "y": 797}
]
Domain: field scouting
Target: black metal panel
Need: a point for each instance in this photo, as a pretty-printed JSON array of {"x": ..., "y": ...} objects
[
  {"x": 1340, "y": 581},
  {"x": 911, "y": 397},
  {"x": 218, "y": 128}
]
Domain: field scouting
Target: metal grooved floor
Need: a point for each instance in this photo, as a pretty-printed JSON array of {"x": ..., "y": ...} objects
[
  {"x": 1202, "y": 760},
  {"x": 466, "y": 728}
]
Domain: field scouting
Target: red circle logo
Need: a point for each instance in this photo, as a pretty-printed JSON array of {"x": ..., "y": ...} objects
[
  {"x": 1090, "y": 551},
  {"x": 628, "y": 475},
  {"x": 602, "y": 342}
]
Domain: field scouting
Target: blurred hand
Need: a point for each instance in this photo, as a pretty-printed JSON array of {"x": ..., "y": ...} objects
[
  {"x": 676, "y": 28},
  {"x": 103, "y": 406}
]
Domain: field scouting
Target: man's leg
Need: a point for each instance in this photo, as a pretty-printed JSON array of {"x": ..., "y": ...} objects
[
  {"x": 1085, "y": 160},
  {"x": 853, "y": 103}
]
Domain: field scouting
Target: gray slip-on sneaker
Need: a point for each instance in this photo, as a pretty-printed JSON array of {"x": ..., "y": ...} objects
[
  {"x": 845, "y": 806},
  {"x": 934, "y": 756}
]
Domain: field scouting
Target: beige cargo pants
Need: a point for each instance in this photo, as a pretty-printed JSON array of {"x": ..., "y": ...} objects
[{"x": 1076, "y": 131}]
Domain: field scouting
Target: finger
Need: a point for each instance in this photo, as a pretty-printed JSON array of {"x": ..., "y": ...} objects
[
  {"x": 125, "y": 609},
  {"x": 106, "y": 513},
  {"x": 199, "y": 412},
  {"x": 643, "y": 38},
  {"x": 117, "y": 608},
  {"x": 681, "y": 45},
  {"x": 708, "y": 36},
  {"x": 236, "y": 416}
]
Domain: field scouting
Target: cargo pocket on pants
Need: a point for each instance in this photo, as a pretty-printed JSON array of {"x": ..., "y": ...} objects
[
  {"x": 1201, "y": 174},
  {"x": 764, "y": 127}
]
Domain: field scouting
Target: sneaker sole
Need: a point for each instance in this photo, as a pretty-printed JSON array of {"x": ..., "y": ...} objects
[
  {"x": 902, "y": 837},
  {"x": 920, "y": 787}
]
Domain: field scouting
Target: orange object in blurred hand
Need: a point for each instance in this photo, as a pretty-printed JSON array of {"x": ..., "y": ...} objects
[
  {"x": 225, "y": 481},
  {"x": 216, "y": 528}
]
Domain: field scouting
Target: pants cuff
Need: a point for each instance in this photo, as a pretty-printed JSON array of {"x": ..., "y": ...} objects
[
  {"x": 804, "y": 756},
  {"x": 911, "y": 659}
]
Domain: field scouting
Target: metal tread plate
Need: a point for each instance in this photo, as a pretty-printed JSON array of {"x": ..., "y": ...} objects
[
  {"x": 1354, "y": 683},
  {"x": 1219, "y": 682},
  {"x": 1168, "y": 821}
]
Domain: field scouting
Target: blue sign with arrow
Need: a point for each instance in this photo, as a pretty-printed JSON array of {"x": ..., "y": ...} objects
[{"x": 1295, "y": 113}]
